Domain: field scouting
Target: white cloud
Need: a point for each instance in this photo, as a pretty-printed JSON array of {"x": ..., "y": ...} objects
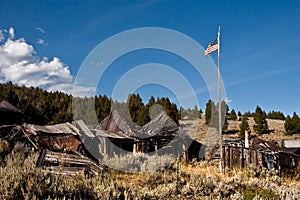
[
  {"x": 20, "y": 64},
  {"x": 81, "y": 91},
  {"x": 18, "y": 48},
  {"x": 227, "y": 100},
  {"x": 1, "y": 36},
  {"x": 40, "y": 30},
  {"x": 41, "y": 42},
  {"x": 11, "y": 33}
]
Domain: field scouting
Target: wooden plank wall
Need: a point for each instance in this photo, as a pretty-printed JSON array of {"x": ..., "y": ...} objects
[{"x": 241, "y": 157}]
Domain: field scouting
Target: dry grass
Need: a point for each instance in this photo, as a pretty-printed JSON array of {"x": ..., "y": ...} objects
[{"x": 198, "y": 180}]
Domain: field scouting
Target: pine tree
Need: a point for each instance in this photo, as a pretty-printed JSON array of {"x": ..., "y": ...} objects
[
  {"x": 151, "y": 102},
  {"x": 143, "y": 116},
  {"x": 195, "y": 112},
  {"x": 201, "y": 111},
  {"x": 135, "y": 104},
  {"x": 209, "y": 111},
  {"x": 292, "y": 125},
  {"x": 232, "y": 115},
  {"x": 212, "y": 114},
  {"x": 225, "y": 125},
  {"x": 276, "y": 115},
  {"x": 244, "y": 126},
  {"x": 261, "y": 126}
]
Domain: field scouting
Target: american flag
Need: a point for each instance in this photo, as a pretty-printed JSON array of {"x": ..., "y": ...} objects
[{"x": 213, "y": 46}]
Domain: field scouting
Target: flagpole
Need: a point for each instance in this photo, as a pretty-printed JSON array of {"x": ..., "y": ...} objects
[{"x": 219, "y": 100}]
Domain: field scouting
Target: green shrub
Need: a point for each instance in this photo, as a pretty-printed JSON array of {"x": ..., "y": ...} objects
[{"x": 258, "y": 193}]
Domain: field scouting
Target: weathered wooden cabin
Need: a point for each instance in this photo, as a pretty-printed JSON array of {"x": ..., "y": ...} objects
[
  {"x": 60, "y": 137},
  {"x": 10, "y": 127},
  {"x": 161, "y": 135},
  {"x": 156, "y": 134},
  {"x": 292, "y": 146},
  {"x": 261, "y": 153},
  {"x": 60, "y": 146},
  {"x": 114, "y": 136},
  {"x": 183, "y": 147}
]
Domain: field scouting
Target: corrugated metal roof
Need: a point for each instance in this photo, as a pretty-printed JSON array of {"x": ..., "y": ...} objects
[
  {"x": 161, "y": 125},
  {"x": 291, "y": 143},
  {"x": 62, "y": 128},
  {"x": 83, "y": 128},
  {"x": 264, "y": 145}
]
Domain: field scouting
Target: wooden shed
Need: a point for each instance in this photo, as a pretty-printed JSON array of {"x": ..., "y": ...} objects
[
  {"x": 262, "y": 153},
  {"x": 155, "y": 134}
]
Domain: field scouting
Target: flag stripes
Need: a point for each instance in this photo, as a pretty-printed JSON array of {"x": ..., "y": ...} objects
[{"x": 213, "y": 46}]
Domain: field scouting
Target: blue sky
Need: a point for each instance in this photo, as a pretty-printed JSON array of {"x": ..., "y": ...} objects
[{"x": 259, "y": 44}]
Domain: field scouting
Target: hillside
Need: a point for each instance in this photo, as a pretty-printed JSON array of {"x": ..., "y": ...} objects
[{"x": 198, "y": 129}]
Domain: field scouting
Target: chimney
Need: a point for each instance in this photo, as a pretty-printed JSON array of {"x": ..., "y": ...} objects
[{"x": 246, "y": 139}]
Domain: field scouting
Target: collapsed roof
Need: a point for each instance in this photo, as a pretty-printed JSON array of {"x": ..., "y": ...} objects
[
  {"x": 265, "y": 146},
  {"x": 161, "y": 125},
  {"x": 63, "y": 128},
  {"x": 115, "y": 123},
  {"x": 82, "y": 128}
]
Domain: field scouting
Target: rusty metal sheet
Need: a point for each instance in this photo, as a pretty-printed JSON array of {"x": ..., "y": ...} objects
[{"x": 57, "y": 142}]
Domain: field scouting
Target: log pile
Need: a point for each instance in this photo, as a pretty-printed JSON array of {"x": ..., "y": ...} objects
[{"x": 66, "y": 163}]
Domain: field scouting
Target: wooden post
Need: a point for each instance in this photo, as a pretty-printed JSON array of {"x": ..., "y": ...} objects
[
  {"x": 255, "y": 157},
  {"x": 110, "y": 149},
  {"x": 134, "y": 147},
  {"x": 226, "y": 151},
  {"x": 247, "y": 157},
  {"x": 230, "y": 156},
  {"x": 241, "y": 157},
  {"x": 156, "y": 146}
]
